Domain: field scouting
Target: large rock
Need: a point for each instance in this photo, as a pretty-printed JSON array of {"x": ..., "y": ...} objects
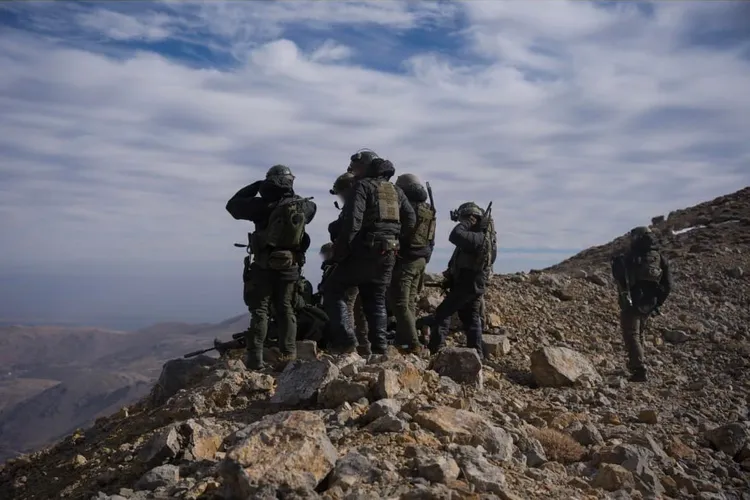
[
  {"x": 382, "y": 408},
  {"x": 352, "y": 469},
  {"x": 729, "y": 438},
  {"x": 460, "y": 364},
  {"x": 478, "y": 471},
  {"x": 287, "y": 448},
  {"x": 340, "y": 391},
  {"x": 613, "y": 477},
  {"x": 300, "y": 381},
  {"x": 560, "y": 367},
  {"x": 465, "y": 427},
  {"x": 436, "y": 468},
  {"x": 496, "y": 345},
  {"x": 179, "y": 374},
  {"x": 195, "y": 439},
  {"x": 164, "y": 475},
  {"x": 635, "y": 459}
]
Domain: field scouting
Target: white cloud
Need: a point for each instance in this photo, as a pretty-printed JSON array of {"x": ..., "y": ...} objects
[{"x": 578, "y": 121}]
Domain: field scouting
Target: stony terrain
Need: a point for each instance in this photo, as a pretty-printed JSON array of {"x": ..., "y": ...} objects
[{"x": 551, "y": 414}]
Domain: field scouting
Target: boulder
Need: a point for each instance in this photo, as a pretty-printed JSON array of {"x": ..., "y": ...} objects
[
  {"x": 729, "y": 438},
  {"x": 478, "y": 471},
  {"x": 387, "y": 423},
  {"x": 460, "y": 364},
  {"x": 496, "y": 345},
  {"x": 613, "y": 477},
  {"x": 195, "y": 439},
  {"x": 352, "y": 469},
  {"x": 381, "y": 408},
  {"x": 675, "y": 336},
  {"x": 465, "y": 427},
  {"x": 560, "y": 367},
  {"x": 436, "y": 468},
  {"x": 588, "y": 435},
  {"x": 178, "y": 374},
  {"x": 388, "y": 385},
  {"x": 162, "y": 476},
  {"x": 340, "y": 391},
  {"x": 307, "y": 350},
  {"x": 287, "y": 448},
  {"x": 300, "y": 381}
]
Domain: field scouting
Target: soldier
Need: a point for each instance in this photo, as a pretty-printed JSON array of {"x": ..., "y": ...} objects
[
  {"x": 644, "y": 282},
  {"x": 342, "y": 188},
  {"x": 414, "y": 254},
  {"x": 278, "y": 246},
  {"x": 466, "y": 277},
  {"x": 372, "y": 220}
]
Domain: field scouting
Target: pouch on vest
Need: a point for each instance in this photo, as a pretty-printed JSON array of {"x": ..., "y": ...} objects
[
  {"x": 424, "y": 231},
  {"x": 388, "y": 206},
  {"x": 647, "y": 267},
  {"x": 279, "y": 260},
  {"x": 286, "y": 226},
  {"x": 247, "y": 282}
]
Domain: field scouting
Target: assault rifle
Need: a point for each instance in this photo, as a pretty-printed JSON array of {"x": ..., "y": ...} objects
[
  {"x": 237, "y": 342},
  {"x": 432, "y": 200}
]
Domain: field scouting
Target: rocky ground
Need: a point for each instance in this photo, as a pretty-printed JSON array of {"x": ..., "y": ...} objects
[{"x": 550, "y": 415}]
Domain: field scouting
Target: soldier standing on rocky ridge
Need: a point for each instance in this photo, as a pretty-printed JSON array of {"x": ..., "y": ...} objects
[
  {"x": 644, "y": 282},
  {"x": 375, "y": 216},
  {"x": 466, "y": 277},
  {"x": 342, "y": 188},
  {"x": 414, "y": 254},
  {"x": 278, "y": 247}
]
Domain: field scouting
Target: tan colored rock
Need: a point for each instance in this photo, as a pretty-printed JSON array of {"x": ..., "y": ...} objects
[
  {"x": 560, "y": 367},
  {"x": 613, "y": 477},
  {"x": 648, "y": 417},
  {"x": 496, "y": 345},
  {"x": 287, "y": 448},
  {"x": 465, "y": 427}
]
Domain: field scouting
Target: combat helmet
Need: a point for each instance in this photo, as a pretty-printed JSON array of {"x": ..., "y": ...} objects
[
  {"x": 405, "y": 181},
  {"x": 342, "y": 182},
  {"x": 465, "y": 210},
  {"x": 362, "y": 157},
  {"x": 279, "y": 171}
]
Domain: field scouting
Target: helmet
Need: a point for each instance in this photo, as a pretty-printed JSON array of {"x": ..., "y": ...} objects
[
  {"x": 638, "y": 233},
  {"x": 279, "y": 171},
  {"x": 363, "y": 157},
  {"x": 469, "y": 208},
  {"x": 326, "y": 248},
  {"x": 406, "y": 180},
  {"x": 342, "y": 182}
]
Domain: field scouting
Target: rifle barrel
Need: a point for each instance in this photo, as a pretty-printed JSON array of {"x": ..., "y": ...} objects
[{"x": 198, "y": 352}]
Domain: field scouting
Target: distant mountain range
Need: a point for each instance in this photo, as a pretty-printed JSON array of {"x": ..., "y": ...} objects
[{"x": 54, "y": 379}]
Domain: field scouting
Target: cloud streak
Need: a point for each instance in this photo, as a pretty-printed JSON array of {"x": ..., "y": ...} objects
[{"x": 124, "y": 129}]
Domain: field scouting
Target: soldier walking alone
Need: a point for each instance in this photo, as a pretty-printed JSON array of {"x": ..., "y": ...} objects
[{"x": 644, "y": 282}]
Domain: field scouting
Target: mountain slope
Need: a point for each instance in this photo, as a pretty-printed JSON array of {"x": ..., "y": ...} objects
[{"x": 586, "y": 432}]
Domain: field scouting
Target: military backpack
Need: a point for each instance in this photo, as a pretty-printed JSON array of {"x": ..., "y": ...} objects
[
  {"x": 276, "y": 246},
  {"x": 646, "y": 267}
]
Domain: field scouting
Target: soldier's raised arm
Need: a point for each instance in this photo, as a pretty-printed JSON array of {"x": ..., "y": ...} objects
[{"x": 245, "y": 205}]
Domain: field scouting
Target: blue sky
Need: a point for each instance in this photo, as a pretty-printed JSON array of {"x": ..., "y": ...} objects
[{"x": 125, "y": 126}]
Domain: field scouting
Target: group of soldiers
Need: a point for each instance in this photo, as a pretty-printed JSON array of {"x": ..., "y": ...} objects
[{"x": 374, "y": 264}]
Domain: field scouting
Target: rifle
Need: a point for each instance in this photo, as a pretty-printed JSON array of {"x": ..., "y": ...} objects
[
  {"x": 432, "y": 200},
  {"x": 237, "y": 342}
]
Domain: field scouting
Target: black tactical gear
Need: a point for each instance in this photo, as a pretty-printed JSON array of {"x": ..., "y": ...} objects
[
  {"x": 644, "y": 282},
  {"x": 326, "y": 248},
  {"x": 366, "y": 238},
  {"x": 277, "y": 256},
  {"x": 468, "y": 270}
]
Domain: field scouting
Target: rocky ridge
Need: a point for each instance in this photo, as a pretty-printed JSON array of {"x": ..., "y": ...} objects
[{"x": 550, "y": 415}]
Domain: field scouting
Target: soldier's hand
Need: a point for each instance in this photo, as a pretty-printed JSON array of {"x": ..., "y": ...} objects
[
  {"x": 254, "y": 188},
  {"x": 483, "y": 224}
]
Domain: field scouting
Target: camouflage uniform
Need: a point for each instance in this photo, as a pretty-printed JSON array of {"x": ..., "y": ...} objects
[
  {"x": 644, "y": 281},
  {"x": 416, "y": 250},
  {"x": 271, "y": 277}
]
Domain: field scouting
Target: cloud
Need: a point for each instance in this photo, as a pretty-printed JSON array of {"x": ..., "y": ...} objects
[{"x": 124, "y": 128}]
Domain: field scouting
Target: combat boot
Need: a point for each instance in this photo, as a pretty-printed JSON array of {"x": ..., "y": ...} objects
[
  {"x": 283, "y": 361},
  {"x": 364, "y": 350},
  {"x": 252, "y": 362},
  {"x": 639, "y": 376}
]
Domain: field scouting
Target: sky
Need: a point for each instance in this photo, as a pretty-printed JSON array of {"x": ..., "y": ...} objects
[{"x": 126, "y": 126}]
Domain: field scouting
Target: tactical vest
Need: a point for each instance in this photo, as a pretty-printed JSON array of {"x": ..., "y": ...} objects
[
  {"x": 277, "y": 244},
  {"x": 646, "y": 267},
  {"x": 386, "y": 206},
  {"x": 424, "y": 230},
  {"x": 479, "y": 261}
]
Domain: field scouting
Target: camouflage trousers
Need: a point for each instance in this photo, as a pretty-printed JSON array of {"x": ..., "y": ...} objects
[
  {"x": 357, "y": 314},
  {"x": 402, "y": 294},
  {"x": 269, "y": 295},
  {"x": 632, "y": 323}
]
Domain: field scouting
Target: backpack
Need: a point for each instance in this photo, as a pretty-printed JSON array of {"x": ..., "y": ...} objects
[
  {"x": 286, "y": 225},
  {"x": 424, "y": 231},
  {"x": 647, "y": 267}
]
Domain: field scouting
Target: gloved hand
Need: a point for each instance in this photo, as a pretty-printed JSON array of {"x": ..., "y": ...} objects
[
  {"x": 483, "y": 224},
  {"x": 252, "y": 189}
]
